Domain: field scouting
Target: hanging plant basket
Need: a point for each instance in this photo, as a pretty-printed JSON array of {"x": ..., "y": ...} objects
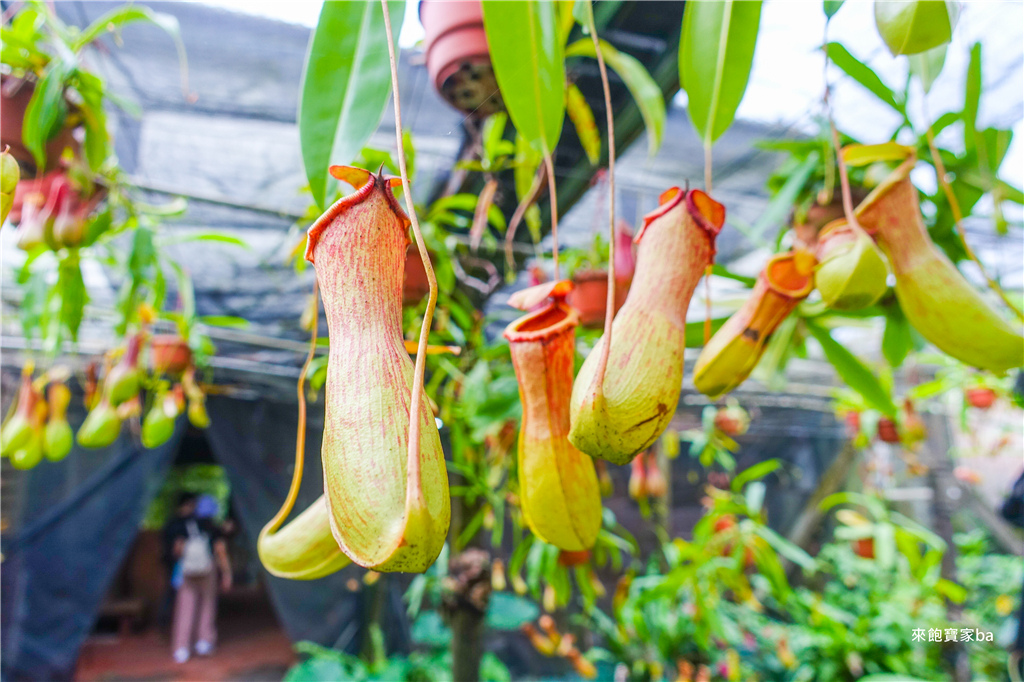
[
  {"x": 169, "y": 354},
  {"x": 458, "y": 60},
  {"x": 15, "y": 94},
  {"x": 590, "y": 295},
  {"x": 415, "y": 286}
]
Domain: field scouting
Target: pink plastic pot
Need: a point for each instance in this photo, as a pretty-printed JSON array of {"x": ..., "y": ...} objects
[{"x": 458, "y": 60}]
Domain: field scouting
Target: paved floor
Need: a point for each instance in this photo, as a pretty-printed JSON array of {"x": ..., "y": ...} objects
[{"x": 252, "y": 648}]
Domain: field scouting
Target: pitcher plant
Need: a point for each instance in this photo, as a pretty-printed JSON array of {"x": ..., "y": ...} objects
[
  {"x": 733, "y": 352},
  {"x": 558, "y": 488},
  {"x": 644, "y": 374},
  {"x": 943, "y": 306},
  {"x": 382, "y": 514}
]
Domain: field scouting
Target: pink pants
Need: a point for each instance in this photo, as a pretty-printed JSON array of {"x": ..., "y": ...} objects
[{"x": 197, "y": 600}]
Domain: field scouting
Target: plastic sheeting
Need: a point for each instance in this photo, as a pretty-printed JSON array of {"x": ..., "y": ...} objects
[{"x": 59, "y": 566}]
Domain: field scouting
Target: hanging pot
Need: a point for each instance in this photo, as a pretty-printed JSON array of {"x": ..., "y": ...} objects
[
  {"x": 559, "y": 492},
  {"x": 389, "y": 512},
  {"x": 644, "y": 375},
  {"x": 415, "y": 286},
  {"x": 458, "y": 59},
  {"x": 589, "y": 297},
  {"x": 943, "y": 306},
  {"x": 15, "y": 94},
  {"x": 169, "y": 354},
  {"x": 733, "y": 352}
]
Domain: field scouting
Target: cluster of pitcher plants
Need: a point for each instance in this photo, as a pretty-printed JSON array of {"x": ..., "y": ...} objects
[
  {"x": 386, "y": 500},
  {"x": 151, "y": 379}
]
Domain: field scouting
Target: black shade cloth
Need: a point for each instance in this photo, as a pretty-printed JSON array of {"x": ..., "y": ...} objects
[
  {"x": 254, "y": 440},
  {"x": 60, "y": 564}
]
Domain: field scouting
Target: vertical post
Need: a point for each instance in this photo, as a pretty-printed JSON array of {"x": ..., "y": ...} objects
[{"x": 946, "y": 497}]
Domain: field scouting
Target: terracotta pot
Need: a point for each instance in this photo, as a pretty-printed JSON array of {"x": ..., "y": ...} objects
[
  {"x": 416, "y": 286},
  {"x": 980, "y": 397},
  {"x": 887, "y": 431},
  {"x": 458, "y": 59},
  {"x": 169, "y": 354},
  {"x": 15, "y": 94},
  {"x": 589, "y": 298},
  {"x": 864, "y": 548}
]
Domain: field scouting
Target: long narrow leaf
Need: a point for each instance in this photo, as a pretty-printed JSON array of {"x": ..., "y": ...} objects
[
  {"x": 645, "y": 91},
  {"x": 345, "y": 87},
  {"x": 852, "y": 371},
  {"x": 715, "y": 55},
  {"x": 526, "y": 53},
  {"x": 862, "y": 73}
]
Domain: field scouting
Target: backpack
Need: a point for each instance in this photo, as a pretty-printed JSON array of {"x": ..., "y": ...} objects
[{"x": 196, "y": 558}]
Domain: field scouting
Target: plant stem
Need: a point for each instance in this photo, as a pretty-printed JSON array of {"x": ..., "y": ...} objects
[
  {"x": 609, "y": 312},
  {"x": 550, "y": 165},
  {"x": 414, "y": 489},
  {"x": 707, "y": 271},
  {"x": 954, "y": 206},
  {"x": 300, "y": 435},
  {"x": 707, "y": 168}
]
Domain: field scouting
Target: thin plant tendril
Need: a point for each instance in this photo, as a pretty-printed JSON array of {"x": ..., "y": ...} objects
[
  {"x": 300, "y": 436},
  {"x": 414, "y": 491},
  {"x": 609, "y": 313}
]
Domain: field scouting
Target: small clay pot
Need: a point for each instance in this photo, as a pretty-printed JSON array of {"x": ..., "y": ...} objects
[
  {"x": 169, "y": 354},
  {"x": 458, "y": 59},
  {"x": 887, "y": 431},
  {"x": 416, "y": 285},
  {"x": 864, "y": 548},
  {"x": 590, "y": 295},
  {"x": 981, "y": 397},
  {"x": 15, "y": 94}
]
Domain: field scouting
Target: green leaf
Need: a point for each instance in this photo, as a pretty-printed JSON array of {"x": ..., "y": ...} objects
[
  {"x": 645, "y": 91},
  {"x": 73, "y": 295},
  {"x": 897, "y": 340},
  {"x": 778, "y": 209},
  {"x": 429, "y": 630},
  {"x": 224, "y": 321},
  {"x": 582, "y": 118},
  {"x": 510, "y": 611},
  {"x": 972, "y": 97},
  {"x": 928, "y": 65},
  {"x": 526, "y": 53},
  {"x": 786, "y": 548},
  {"x": 862, "y": 73},
  {"x": 715, "y": 55},
  {"x": 852, "y": 371},
  {"x": 916, "y": 26},
  {"x": 831, "y": 7},
  {"x": 345, "y": 86},
  {"x": 46, "y": 111},
  {"x": 210, "y": 237},
  {"x": 753, "y": 473},
  {"x": 118, "y": 17}
]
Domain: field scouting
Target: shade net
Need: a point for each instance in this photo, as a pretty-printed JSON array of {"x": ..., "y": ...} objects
[{"x": 77, "y": 523}]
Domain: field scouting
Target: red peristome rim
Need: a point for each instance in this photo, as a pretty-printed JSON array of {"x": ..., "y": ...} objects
[
  {"x": 790, "y": 282},
  {"x": 365, "y": 184},
  {"x": 568, "y": 319},
  {"x": 708, "y": 213}
]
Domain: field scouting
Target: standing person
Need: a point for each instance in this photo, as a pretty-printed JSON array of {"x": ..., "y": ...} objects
[{"x": 199, "y": 550}]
